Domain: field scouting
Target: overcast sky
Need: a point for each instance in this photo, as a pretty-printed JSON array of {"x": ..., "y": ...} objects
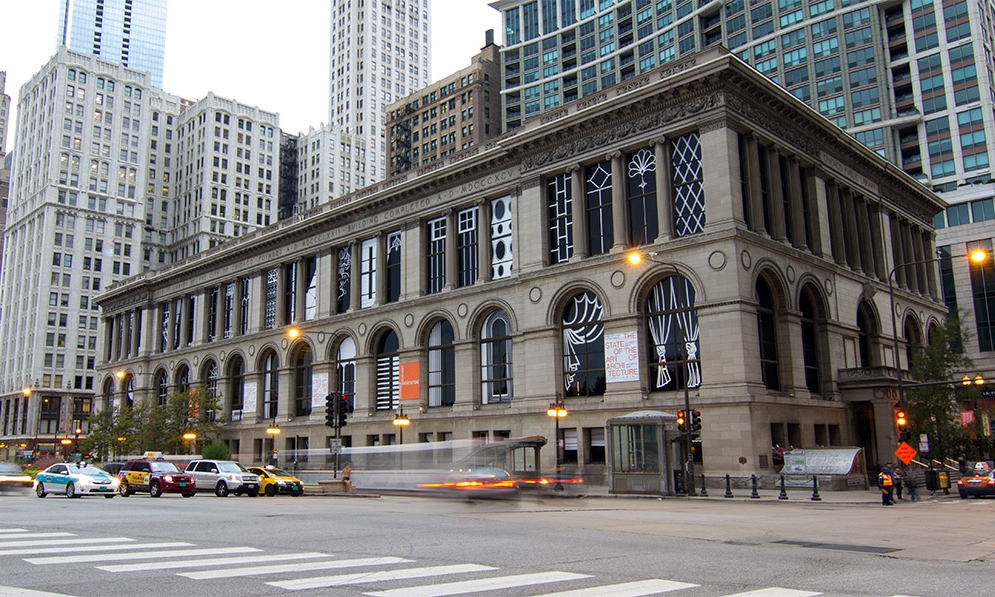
[{"x": 273, "y": 55}]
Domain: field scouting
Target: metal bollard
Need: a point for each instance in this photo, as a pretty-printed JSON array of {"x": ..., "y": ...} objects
[
  {"x": 728, "y": 490},
  {"x": 784, "y": 494},
  {"x": 815, "y": 489},
  {"x": 704, "y": 492},
  {"x": 753, "y": 482}
]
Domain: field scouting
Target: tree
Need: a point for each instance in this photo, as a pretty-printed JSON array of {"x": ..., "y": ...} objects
[
  {"x": 933, "y": 409},
  {"x": 156, "y": 427}
]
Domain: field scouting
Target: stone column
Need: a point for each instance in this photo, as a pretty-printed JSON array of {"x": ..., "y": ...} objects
[
  {"x": 578, "y": 211},
  {"x": 775, "y": 206},
  {"x": 754, "y": 189},
  {"x": 620, "y": 209},
  {"x": 664, "y": 190}
]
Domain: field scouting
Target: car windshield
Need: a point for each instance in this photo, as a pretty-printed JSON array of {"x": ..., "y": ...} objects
[
  {"x": 9, "y": 469},
  {"x": 276, "y": 472},
  {"x": 164, "y": 467},
  {"x": 231, "y": 467},
  {"x": 89, "y": 471}
]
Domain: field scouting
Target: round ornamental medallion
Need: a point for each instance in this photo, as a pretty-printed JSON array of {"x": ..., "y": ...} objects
[
  {"x": 409, "y": 320},
  {"x": 461, "y": 310},
  {"x": 252, "y": 349},
  {"x": 746, "y": 260},
  {"x": 535, "y": 294},
  {"x": 717, "y": 260},
  {"x": 618, "y": 279}
]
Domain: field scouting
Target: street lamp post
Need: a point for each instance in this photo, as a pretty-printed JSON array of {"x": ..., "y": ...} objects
[
  {"x": 635, "y": 258},
  {"x": 557, "y": 410},
  {"x": 977, "y": 256},
  {"x": 273, "y": 431},
  {"x": 66, "y": 442},
  {"x": 191, "y": 437},
  {"x": 400, "y": 421}
]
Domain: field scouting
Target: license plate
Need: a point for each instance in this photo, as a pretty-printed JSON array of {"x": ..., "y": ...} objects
[{"x": 183, "y": 484}]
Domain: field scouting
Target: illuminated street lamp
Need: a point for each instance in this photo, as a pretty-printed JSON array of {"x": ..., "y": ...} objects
[
  {"x": 273, "y": 431},
  {"x": 557, "y": 410},
  {"x": 401, "y": 421},
  {"x": 636, "y": 258},
  {"x": 978, "y": 257},
  {"x": 293, "y": 333},
  {"x": 191, "y": 437},
  {"x": 66, "y": 442},
  {"x": 26, "y": 391}
]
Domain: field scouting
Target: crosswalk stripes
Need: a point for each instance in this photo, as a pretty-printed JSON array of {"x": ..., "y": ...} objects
[
  {"x": 244, "y": 561},
  {"x": 639, "y": 588},
  {"x": 478, "y": 586},
  {"x": 380, "y": 576},
  {"x": 24, "y": 551},
  {"x": 141, "y": 555},
  {"x": 283, "y": 568}
]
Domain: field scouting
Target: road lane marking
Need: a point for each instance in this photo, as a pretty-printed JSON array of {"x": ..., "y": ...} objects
[
  {"x": 19, "y": 592},
  {"x": 480, "y": 585},
  {"x": 301, "y": 567},
  {"x": 381, "y": 576},
  {"x": 83, "y": 548},
  {"x": 213, "y": 562},
  {"x": 176, "y": 553},
  {"x": 775, "y": 592},
  {"x": 638, "y": 588},
  {"x": 13, "y": 530},
  {"x": 43, "y": 535},
  {"x": 67, "y": 542}
]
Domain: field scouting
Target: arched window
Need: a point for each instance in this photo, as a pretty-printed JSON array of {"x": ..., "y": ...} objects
[
  {"x": 236, "y": 387},
  {"x": 387, "y": 370},
  {"x": 128, "y": 387},
  {"x": 672, "y": 323},
  {"x": 303, "y": 360},
  {"x": 767, "y": 332},
  {"x": 211, "y": 385},
  {"x": 495, "y": 357},
  {"x": 162, "y": 387},
  {"x": 866, "y": 331},
  {"x": 271, "y": 384},
  {"x": 182, "y": 378},
  {"x": 913, "y": 340},
  {"x": 810, "y": 341},
  {"x": 345, "y": 369},
  {"x": 583, "y": 346},
  {"x": 109, "y": 393},
  {"x": 441, "y": 365}
]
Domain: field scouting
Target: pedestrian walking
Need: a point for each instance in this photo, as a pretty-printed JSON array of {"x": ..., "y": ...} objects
[
  {"x": 887, "y": 486},
  {"x": 913, "y": 487},
  {"x": 347, "y": 478},
  {"x": 897, "y": 481}
]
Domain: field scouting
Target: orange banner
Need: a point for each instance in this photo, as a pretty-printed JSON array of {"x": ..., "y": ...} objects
[{"x": 408, "y": 378}]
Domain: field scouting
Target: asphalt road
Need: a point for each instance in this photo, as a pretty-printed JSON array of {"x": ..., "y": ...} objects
[{"x": 413, "y": 546}]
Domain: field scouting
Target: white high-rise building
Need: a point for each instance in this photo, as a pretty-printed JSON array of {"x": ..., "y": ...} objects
[
  {"x": 380, "y": 53},
  {"x": 113, "y": 177},
  {"x": 329, "y": 164},
  {"x": 129, "y": 32}
]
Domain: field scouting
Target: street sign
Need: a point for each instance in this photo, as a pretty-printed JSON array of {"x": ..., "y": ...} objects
[
  {"x": 923, "y": 442},
  {"x": 336, "y": 446},
  {"x": 905, "y": 452},
  {"x": 986, "y": 425}
]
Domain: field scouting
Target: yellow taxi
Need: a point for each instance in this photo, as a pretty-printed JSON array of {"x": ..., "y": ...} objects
[{"x": 273, "y": 480}]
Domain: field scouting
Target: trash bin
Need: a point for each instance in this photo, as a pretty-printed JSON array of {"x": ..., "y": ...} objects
[{"x": 937, "y": 480}]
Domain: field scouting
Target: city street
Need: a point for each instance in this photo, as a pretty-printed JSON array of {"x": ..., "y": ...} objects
[{"x": 400, "y": 545}]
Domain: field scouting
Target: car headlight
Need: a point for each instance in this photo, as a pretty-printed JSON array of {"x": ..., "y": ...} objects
[
  {"x": 281, "y": 482},
  {"x": 168, "y": 478}
]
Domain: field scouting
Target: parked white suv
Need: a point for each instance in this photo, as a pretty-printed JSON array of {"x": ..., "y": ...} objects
[{"x": 223, "y": 477}]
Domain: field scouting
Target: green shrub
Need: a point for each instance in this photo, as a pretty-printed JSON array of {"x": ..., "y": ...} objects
[{"x": 216, "y": 451}]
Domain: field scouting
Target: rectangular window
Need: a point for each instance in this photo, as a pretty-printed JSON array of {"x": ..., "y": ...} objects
[
  {"x": 467, "y": 246},
  {"x": 229, "y": 311},
  {"x": 641, "y": 192},
  {"x": 368, "y": 272},
  {"x": 559, "y": 202},
  {"x": 343, "y": 296},
  {"x": 272, "y": 277},
  {"x": 393, "y": 268},
  {"x": 436, "y": 255},
  {"x": 310, "y": 287},
  {"x": 289, "y": 282}
]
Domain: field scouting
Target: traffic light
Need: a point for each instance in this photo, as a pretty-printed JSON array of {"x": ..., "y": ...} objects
[
  {"x": 331, "y": 410},
  {"x": 343, "y": 410},
  {"x": 901, "y": 420},
  {"x": 680, "y": 421},
  {"x": 695, "y": 421}
]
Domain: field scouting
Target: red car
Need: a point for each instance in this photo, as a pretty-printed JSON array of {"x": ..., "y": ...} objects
[{"x": 154, "y": 477}]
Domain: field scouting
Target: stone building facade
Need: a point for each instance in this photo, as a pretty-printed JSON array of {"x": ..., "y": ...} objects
[{"x": 482, "y": 288}]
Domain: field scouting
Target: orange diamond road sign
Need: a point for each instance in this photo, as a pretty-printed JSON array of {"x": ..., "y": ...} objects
[{"x": 905, "y": 452}]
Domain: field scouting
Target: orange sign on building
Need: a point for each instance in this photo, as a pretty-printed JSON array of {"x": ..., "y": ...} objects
[{"x": 408, "y": 379}]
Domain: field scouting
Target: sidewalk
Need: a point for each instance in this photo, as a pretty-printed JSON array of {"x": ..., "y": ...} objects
[{"x": 870, "y": 496}]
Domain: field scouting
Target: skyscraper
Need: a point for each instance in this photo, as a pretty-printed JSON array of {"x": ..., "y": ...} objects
[
  {"x": 129, "y": 32},
  {"x": 912, "y": 80},
  {"x": 379, "y": 54}
]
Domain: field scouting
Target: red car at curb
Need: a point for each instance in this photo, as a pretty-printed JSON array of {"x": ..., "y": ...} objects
[{"x": 155, "y": 477}]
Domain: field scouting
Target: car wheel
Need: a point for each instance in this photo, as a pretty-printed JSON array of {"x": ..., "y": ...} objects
[
  {"x": 270, "y": 490},
  {"x": 187, "y": 495},
  {"x": 963, "y": 495},
  {"x": 252, "y": 493},
  {"x": 221, "y": 490},
  {"x": 71, "y": 491},
  {"x": 124, "y": 490},
  {"x": 110, "y": 497},
  {"x": 298, "y": 494},
  {"x": 155, "y": 490},
  {"x": 40, "y": 490}
]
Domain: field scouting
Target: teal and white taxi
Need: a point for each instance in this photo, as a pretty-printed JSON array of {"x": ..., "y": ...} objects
[{"x": 75, "y": 480}]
